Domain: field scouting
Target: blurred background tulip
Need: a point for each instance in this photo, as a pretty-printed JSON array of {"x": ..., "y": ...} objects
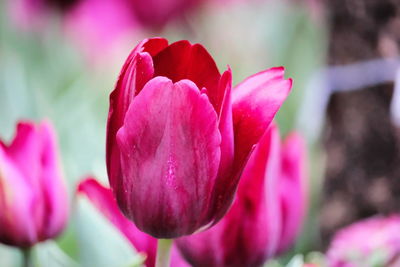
[
  {"x": 100, "y": 27},
  {"x": 156, "y": 13},
  {"x": 293, "y": 186},
  {"x": 371, "y": 242},
  {"x": 268, "y": 211},
  {"x": 33, "y": 197}
]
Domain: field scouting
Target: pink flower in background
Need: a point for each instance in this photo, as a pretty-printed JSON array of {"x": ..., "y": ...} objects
[
  {"x": 156, "y": 13},
  {"x": 32, "y": 14},
  {"x": 370, "y": 242},
  {"x": 98, "y": 26},
  {"x": 174, "y": 153},
  {"x": 293, "y": 189},
  {"x": 103, "y": 199},
  {"x": 33, "y": 198},
  {"x": 27, "y": 14},
  {"x": 267, "y": 213}
]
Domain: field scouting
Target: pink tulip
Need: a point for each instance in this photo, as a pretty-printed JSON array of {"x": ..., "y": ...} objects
[
  {"x": 33, "y": 198},
  {"x": 370, "y": 242},
  {"x": 176, "y": 139},
  {"x": 103, "y": 199},
  {"x": 265, "y": 216}
]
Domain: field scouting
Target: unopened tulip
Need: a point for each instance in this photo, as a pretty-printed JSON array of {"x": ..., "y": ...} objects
[
  {"x": 103, "y": 199},
  {"x": 33, "y": 198},
  {"x": 264, "y": 218},
  {"x": 371, "y": 242},
  {"x": 174, "y": 153}
]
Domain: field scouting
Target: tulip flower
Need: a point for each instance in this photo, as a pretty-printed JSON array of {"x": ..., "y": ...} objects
[
  {"x": 33, "y": 198},
  {"x": 371, "y": 242},
  {"x": 103, "y": 199},
  {"x": 267, "y": 213},
  {"x": 177, "y": 140}
]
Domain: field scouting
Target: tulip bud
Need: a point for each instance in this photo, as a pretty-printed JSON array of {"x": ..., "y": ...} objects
[
  {"x": 33, "y": 198},
  {"x": 103, "y": 199},
  {"x": 172, "y": 161},
  {"x": 370, "y": 242},
  {"x": 261, "y": 221}
]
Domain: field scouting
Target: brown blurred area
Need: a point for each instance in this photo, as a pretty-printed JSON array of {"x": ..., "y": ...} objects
[{"x": 363, "y": 146}]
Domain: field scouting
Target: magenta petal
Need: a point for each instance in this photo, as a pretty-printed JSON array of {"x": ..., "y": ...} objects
[
  {"x": 54, "y": 190},
  {"x": 170, "y": 146},
  {"x": 104, "y": 201},
  {"x": 205, "y": 248},
  {"x": 292, "y": 189},
  {"x": 255, "y": 102},
  {"x": 225, "y": 124},
  {"x": 226, "y": 183},
  {"x": 259, "y": 197},
  {"x": 137, "y": 70},
  {"x": 182, "y": 60},
  {"x": 25, "y": 151},
  {"x": 16, "y": 204}
]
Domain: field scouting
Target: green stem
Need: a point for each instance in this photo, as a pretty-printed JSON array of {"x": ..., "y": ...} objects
[
  {"x": 27, "y": 257},
  {"x": 163, "y": 252}
]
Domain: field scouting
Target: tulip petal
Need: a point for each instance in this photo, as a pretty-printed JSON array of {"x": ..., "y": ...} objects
[
  {"x": 16, "y": 203},
  {"x": 103, "y": 199},
  {"x": 226, "y": 183},
  {"x": 292, "y": 189},
  {"x": 53, "y": 187},
  {"x": 258, "y": 197},
  {"x": 137, "y": 70},
  {"x": 204, "y": 248},
  {"x": 25, "y": 152},
  {"x": 182, "y": 60},
  {"x": 170, "y": 147},
  {"x": 255, "y": 103}
]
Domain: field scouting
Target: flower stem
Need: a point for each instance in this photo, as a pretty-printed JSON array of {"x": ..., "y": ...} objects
[
  {"x": 27, "y": 259},
  {"x": 163, "y": 252}
]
